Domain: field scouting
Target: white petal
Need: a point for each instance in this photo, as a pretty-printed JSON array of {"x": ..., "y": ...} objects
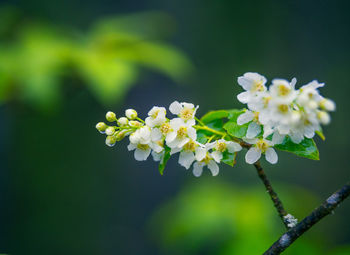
[
  {"x": 187, "y": 105},
  {"x": 182, "y": 142},
  {"x": 190, "y": 122},
  {"x": 264, "y": 117},
  {"x": 213, "y": 167},
  {"x": 156, "y": 156},
  {"x": 277, "y": 138},
  {"x": 156, "y": 147},
  {"x": 268, "y": 130},
  {"x": 170, "y": 137},
  {"x": 197, "y": 169},
  {"x": 141, "y": 155},
  {"x": 131, "y": 147},
  {"x": 186, "y": 159},
  {"x": 156, "y": 135},
  {"x": 271, "y": 156},
  {"x": 296, "y": 137},
  {"x": 244, "y": 97},
  {"x": 176, "y": 123},
  {"x": 245, "y": 117},
  {"x": 174, "y": 143},
  {"x": 192, "y": 133},
  {"x": 252, "y": 155},
  {"x": 251, "y": 141},
  {"x": 200, "y": 153},
  {"x": 233, "y": 147},
  {"x": 175, "y": 150},
  {"x": 245, "y": 82},
  {"x": 175, "y": 108},
  {"x": 217, "y": 156},
  {"x": 253, "y": 130}
]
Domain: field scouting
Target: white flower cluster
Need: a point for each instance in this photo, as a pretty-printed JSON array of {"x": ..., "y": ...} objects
[
  {"x": 280, "y": 111},
  {"x": 179, "y": 134}
]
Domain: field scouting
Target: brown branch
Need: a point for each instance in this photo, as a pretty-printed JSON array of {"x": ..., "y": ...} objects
[
  {"x": 323, "y": 210},
  {"x": 274, "y": 197}
]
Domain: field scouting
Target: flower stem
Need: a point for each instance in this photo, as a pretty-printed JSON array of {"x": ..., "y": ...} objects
[
  {"x": 315, "y": 216},
  {"x": 210, "y": 130},
  {"x": 199, "y": 121},
  {"x": 274, "y": 197}
]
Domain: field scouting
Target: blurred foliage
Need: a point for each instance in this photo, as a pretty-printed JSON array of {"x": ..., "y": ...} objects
[
  {"x": 36, "y": 57},
  {"x": 212, "y": 217}
]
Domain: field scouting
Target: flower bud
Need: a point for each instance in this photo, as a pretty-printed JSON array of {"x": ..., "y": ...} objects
[
  {"x": 110, "y": 131},
  {"x": 111, "y": 140},
  {"x": 110, "y": 116},
  {"x": 131, "y": 114},
  {"x": 327, "y": 104},
  {"x": 122, "y": 121},
  {"x": 312, "y": 104},
  {"x": 101, "y": 127},
  {"x": 135, "y": 123},
  {"x": 324, "y": 117},
  {"x": 121, "y": 134}
]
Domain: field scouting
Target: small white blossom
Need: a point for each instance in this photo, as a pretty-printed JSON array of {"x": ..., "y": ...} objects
[
  {"x": 221, "y": 145},
  {"x": 253, "y": 83},
  {"x": 185, "y": 111},
  {"x": 156, "y": 116},
  {"x": 205, "y": 158},
  {"x": 180, "y": 133},
  {"x": 260, "y": 146}
]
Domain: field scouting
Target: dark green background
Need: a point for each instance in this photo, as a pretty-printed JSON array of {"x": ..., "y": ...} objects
[{"x": 62, "y": 191}]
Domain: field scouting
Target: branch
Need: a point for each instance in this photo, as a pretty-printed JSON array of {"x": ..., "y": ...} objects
[
  {"x": 274, "y": 197},
  {"x": 323, "y": 210}
]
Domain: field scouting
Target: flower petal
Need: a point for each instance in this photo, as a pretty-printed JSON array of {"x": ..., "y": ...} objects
[
  {"x": 213, "y": 167},
  {"x": 253, "y": 130},
  {"x": 186, "y": 159},
  {"x": 175, "y": 107},
  {"x": 271, "y": 156},
  {"x": 200, "y": 153},
  {"x": 245, "y": 117},
  {"x": 252, "y": 155},
  {"x": 217, "y": 156},
  {"x": 233, "y": 147},
  {"x": 156, "y": 135},
  {"x": 170, "y": 137},
  {"x": 197, "y": 169},
  {"x": 131, "y": 147},
  {"x": 277, "y": 138},
  {"x": 141, "y": 155},
  {"x": 244, "y": 97}
]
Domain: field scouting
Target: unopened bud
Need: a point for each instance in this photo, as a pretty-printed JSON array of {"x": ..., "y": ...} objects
[
  {"x": 111, "y": 140},
  {"x": 131, "y": 114},
  {"x": 327, "y": 104},
  {"x": 122, "y": 121},
  {"x": 110, "y": 116},
  {"x": 312, "y": 104},
  {"x": 121, "y": 135},
  {"x": 324, "y": 117},
  {"x": 110, "y": 131},
  {"x": 135, "y": 123},
  {"x": 101, "y": 127}
]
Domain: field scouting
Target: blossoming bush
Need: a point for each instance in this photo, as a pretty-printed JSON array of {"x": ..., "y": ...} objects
[{"x": 277, "y": 117}]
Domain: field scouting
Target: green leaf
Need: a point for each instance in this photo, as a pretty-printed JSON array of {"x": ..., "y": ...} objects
[
  {"x": 229, "y": 158},
  {"x": 214, "y": 115},
  {"x": 202, "y": 136},
  {"x": 320, "y": 134},
  {"x": 164, "y": 160},
  {"x": 307, "y": 148},
  {"x": 235, "y": 130}
]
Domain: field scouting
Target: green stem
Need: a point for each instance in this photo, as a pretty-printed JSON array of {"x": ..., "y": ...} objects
[
  {"x": 199, "y": 121},
  {"x": 141, "y": 120},
  {"x": 209, "y": 129}
]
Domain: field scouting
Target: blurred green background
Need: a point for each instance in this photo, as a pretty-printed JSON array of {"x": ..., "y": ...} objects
[{"x": 63, "y": 64}]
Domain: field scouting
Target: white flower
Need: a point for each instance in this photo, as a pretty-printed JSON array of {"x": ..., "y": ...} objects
[
  {"x": 185, "y": 111},
  {"x": 253, "y": 83},
  {"x": 141, "y": 142},
  {"x": 309, "y": 96},
  {"x": 187, "y": 155},
  {"x": 254, "y": 127},
  {"x": 283, "y": 89},
  {"x": 156, "y": 116},
  {"x": 327, "y": 105},
  {"x": 260, "y": 146},
  {"x": 131, "y": 114},
  {"x": 205, "y": 158},
  {"x": 221, "y": 145},
  {"x": 180, "y": 133},
  {"x": 142, "y": 151}
]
